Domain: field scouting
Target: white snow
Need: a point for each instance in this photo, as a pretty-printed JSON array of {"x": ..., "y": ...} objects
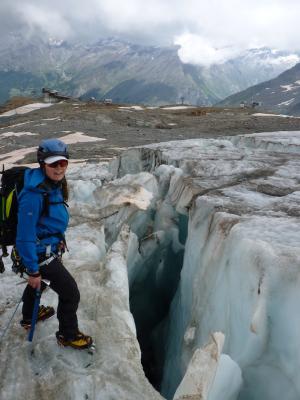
[
  {"x": 51, "y": 119},
  {"x": 273, "y": 115},
  {"x": 20, "y": 124},
  {"x": 25, "y": 109},
  {"x": 16, "y": 155},
  {"x": 287, "y": 88},
  {"x": 80, "y": 137},
  {"x": 138, "y": 108},
  {"x": 177, "y": 107},
  {"x": 17, "y": 134},
  {"x": 287, "y": 102}
]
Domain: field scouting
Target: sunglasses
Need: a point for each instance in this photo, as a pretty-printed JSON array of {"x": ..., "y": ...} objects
[{"x": 61, "y": 163}]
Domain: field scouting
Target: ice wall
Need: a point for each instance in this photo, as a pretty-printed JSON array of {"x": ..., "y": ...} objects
[{"x": 241, "y": 264}]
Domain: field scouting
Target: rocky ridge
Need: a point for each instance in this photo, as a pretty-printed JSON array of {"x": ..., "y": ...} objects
[
  {"x": 281, "y": 94},
  {"x": 127, "y": 72}
]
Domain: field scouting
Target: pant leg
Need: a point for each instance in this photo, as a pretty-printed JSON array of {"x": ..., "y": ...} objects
[
  {"x": 62, "y": 282},
  {"x": 28, "y": 301}
]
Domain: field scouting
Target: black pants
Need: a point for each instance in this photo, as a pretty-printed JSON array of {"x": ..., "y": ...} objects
[{"x": 62, "y": 282}]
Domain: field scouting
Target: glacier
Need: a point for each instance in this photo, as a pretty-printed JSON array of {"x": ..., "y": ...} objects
[{"x": 187, "y": 257}]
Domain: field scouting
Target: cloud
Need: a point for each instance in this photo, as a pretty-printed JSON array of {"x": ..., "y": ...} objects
[
  {"x": 195, "y": 49},
  {"x": 47, "y": 20},
  {"x": 289, "y": 60},
  {"x": 206, "y": 31}
]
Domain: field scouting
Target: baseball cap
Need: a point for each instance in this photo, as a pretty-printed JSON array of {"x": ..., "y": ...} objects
[{"x": 52, "y": 159}]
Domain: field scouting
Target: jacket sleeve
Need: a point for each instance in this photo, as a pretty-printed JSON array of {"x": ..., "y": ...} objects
[{"x": 30, "y": 209}]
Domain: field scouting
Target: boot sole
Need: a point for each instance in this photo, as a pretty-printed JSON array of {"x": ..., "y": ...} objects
[
  {"x": 66, "y": 344},
  {"x": 28, "y": 327}
]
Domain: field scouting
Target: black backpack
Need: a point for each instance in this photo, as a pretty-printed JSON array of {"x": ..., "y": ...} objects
[{"x": 12, "y": 183}]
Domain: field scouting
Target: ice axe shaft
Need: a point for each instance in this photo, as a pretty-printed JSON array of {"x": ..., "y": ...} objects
[{"x": 34, "y": 314}]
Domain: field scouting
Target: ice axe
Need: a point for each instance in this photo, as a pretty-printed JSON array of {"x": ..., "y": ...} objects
[{"x": 34, "y": 314}]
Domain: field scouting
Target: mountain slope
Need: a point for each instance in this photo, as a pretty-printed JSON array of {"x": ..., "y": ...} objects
[
  {"x": 281, "y": 94},
  {"x": 128, "y": 72}
]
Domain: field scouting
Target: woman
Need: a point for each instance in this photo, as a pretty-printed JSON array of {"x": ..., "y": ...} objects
[{"x": 42, "y": 221}]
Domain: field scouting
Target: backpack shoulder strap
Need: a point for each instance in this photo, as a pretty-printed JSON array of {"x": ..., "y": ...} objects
[
  {"x": 45, "y": 186},
  {"x": 46, "y": 203}
]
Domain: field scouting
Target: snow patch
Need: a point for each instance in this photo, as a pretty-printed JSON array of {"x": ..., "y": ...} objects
[
  {"x": 51, "y": 119},
  {"x": 20, "y": 124},
  {"x": 177, "y": 107},
  {"x": 14, "y": 156},
  {"x": 17, "y": 134},
  {"x": 138, "y": 108},
  {"x": 25, "y": 109},
  {"x": 79, "y": 137},
  {"x": 273, "y": 115},
  {"x": 286, "y": 103},
  {"x": 287, "y": 88}
]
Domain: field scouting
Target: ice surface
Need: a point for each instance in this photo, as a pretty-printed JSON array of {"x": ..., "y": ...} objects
[
  {"x": 227, "y": 371},
  {"x": 242, "y": 198},
  {"x": 208, "y": 374},
  {"x": 206, "y": 233},
  {"x": 114, "y": 371}
]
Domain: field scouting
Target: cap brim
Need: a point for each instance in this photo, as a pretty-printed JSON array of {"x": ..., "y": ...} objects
[{"x": 50, "y": 160}]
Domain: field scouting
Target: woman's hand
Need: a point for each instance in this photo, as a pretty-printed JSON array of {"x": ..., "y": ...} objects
[{"x": 35, "y": 282}]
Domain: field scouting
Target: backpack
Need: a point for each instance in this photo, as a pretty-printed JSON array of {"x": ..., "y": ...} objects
[{"x": 12, "y": 183}]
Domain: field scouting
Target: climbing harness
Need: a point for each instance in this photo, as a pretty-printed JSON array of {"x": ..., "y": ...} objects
[{"x": 48, "y": 260}]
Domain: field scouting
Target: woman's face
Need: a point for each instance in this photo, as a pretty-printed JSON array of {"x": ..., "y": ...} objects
[{"x": 57, "y": 170}]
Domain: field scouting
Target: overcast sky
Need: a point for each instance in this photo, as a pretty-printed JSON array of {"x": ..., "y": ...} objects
[{"x": 210, "y": 29}]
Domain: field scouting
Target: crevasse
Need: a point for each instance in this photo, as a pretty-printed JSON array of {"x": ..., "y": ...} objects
[{"x": 240, "y": 265}]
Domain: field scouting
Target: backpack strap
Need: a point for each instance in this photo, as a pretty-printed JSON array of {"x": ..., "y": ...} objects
[
  {"x": 46, "y": 185},
  {"x": 46, "y": 203}
]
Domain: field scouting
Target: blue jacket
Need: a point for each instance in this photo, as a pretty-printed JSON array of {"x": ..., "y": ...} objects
[{"x": 36, "y": 230}]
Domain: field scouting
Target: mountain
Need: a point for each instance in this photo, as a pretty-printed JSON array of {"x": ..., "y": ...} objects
[
  {"x": 127, "y": 72},
  {"x": 281, "y": 94}
]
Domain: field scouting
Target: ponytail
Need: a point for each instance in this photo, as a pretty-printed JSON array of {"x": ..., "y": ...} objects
[{"x": 64, "y": 188}]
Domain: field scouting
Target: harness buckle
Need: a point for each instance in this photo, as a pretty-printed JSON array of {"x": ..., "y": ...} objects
[{"x": 48, "y": 260}]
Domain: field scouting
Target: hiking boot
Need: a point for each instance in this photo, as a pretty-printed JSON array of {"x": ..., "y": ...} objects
[
  {"x": 44, "y": 313},
  {"x": 80, "y": 341}
]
